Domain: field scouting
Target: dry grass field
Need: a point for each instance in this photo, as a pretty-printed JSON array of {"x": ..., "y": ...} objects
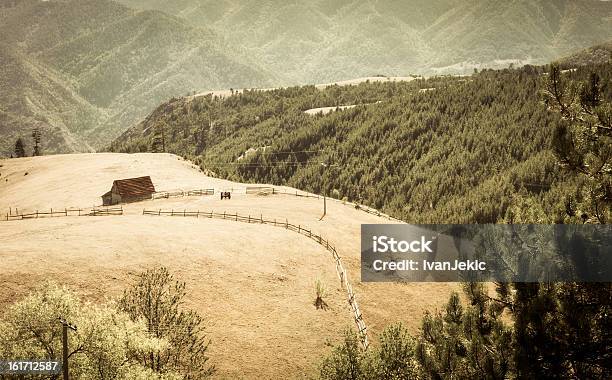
[{"x": 254, "y": 284}]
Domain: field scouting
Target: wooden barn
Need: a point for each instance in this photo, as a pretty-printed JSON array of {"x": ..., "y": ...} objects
[{"x": 129, "y": 190}]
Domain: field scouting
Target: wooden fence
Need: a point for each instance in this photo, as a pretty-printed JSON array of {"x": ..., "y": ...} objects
[
  {"x": 357, "y": 206},
  {"x": 340, "y": 270},
  {"x": 96, "y": 211},
  {"x": 259, "y": 190},
  {"x": 249, "y": 190},
  {"x": 182, "y": 193}
]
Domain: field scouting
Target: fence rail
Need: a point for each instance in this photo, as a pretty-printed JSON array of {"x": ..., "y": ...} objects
[
  {"x": 259, "y": 190},
  {"x": 357, "y": 206},
  {"x": 96, "y": 211},
  {"x": 340, "y": 270},
  {"x": 182, "y": 193},
  {"x": 264, "y": 190}
]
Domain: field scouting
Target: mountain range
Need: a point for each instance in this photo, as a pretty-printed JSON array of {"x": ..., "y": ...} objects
[
  {"x": 324, "y": 40},
  {"x": 86, "y": 70}
]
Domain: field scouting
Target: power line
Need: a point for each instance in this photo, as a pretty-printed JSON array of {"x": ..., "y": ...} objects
[
  {"x": 290, "y": 152},
  {"x": 254, "y": 164},
  {"x": 262, "y": 163}
]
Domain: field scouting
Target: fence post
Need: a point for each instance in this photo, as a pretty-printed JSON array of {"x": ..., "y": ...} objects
[
  {"x": 223, "y": 215},
  {"x": 159, "y": 213},
  {"x": 286, "y": 223},
  {"x": 261, "y": 218},
  {"x": 299, "y": 229},
  {"x": 249, "y": 218}
]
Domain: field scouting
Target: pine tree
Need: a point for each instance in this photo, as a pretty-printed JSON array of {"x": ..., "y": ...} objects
[
  {"x": 583, "y": 143},
  {"x": 19, "y": 148},
  {"x": 158, "y": 143},
  {"x": 36, "y": 135},
  {"x": 466, "y": 343}
]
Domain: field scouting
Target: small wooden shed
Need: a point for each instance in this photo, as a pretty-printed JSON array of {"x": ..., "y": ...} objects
[{"x": 129, "y": 190}]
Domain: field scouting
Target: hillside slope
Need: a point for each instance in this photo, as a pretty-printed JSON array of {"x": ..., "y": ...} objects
[
  {"x": 595, "y": 55},
  {"x": 253, "y": 284},
  {"x": 349, "y": 38},
  {"x": 442, "y": 150},
  {"x": 118, "y": 64},
  {"x": 34, "y": 95}
]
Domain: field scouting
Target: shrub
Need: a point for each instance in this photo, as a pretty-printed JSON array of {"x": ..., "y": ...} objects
[
  {"x": 156, "y": 298},
  {"x": 395, "y": 357},
  {"x": 320, "y": 292},
  {"x": 347, "y": 361},
  {"x": 101, "y": 348}
]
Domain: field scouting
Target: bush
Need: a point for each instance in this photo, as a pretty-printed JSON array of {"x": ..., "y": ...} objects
[
  {"x": 102, "y": 348},
  {"x": 347, "y": 361},
  {"x": 394, "y": 359},
  {"x": 156, "y": 299},
  {"x": 320, "y": 292}
]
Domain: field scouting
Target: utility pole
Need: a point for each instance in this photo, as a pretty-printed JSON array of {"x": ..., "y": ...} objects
[
  {"x": 65, "y": 327},
  {"x": 326, "y": 166}
]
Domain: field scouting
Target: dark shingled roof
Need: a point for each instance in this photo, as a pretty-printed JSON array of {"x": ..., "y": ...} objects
[{"x": 134, "y": 187}]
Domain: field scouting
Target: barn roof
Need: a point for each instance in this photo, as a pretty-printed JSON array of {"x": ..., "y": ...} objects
[{"x": 132, "y": 187}]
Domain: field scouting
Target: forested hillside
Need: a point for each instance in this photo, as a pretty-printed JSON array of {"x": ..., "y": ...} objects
[
  {"x": 323, "y": 41},
  {"x": 598, "y": 54},
  {"x": 84, "y": 71},
  {"x": 445, "y": 149}
]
